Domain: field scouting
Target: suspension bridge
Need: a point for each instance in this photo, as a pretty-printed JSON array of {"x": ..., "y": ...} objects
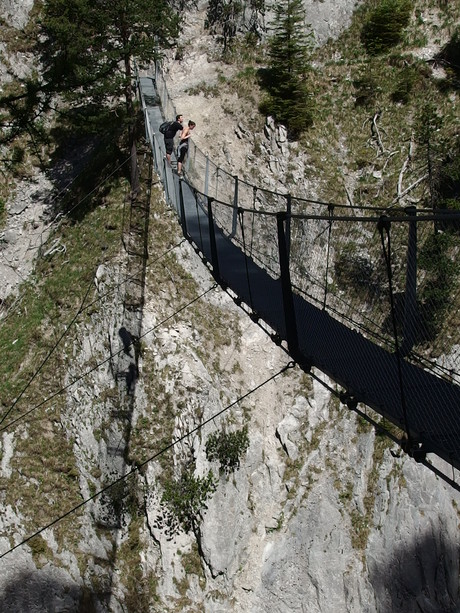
[{"x": 338, "y": 286}]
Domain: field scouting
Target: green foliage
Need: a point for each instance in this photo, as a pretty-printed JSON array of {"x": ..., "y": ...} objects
[
  {"x": 448, "y": 184},
  {"x": 357, "y": 272},
  {"x": 227, "y": 448},
  {"x": 222, "y": 19},
  {"x": 23, "y": 104},
  {"x": 366, "y": 87},
  {"x": 91, "y": 45},
  {"x": 86, "y": 51},
  {"x": 405, "y": 84},
  {"x": 441, "y": 272},
  {"x": 385, "y": 24},
  {"x": 450, "y": 59},
  {"x": 186, "y": 499},
  {"x": 290, "y": 48}
]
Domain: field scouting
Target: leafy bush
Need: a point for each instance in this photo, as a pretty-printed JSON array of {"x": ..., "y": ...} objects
[
  {"x": 186, "y": 499},
  {"x": 227, "y": 448},
  {"x": 405, "y": 84},
  {"x": 356, "y": 272},
  {"x": 366, "y": 87},
  {"x": 449, "y": 183},
  {"x": 384, "y": 27}
]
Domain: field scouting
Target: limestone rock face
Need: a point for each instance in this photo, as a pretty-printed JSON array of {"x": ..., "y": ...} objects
[
  {"x": 329, "y": 18},
  {"x": 16, "y": 12},
  {"x": 321, "y": 515}
]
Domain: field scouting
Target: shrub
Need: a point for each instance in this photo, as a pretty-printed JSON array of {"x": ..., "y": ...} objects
[
  {"x": 405, "y": 84},
  {"x": 357, "y": 273},
  {"x": 449, "y": 184},
  {"x": 450, "y": 59},
  {"x": 384, "y": 27},
  {"x": 227, "y": 448},
  {"x": 366, "y": 87},
  {"x": 186, "y": 499}
]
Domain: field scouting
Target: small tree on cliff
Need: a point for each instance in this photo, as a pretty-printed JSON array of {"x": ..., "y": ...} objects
[{"x": 288, "y": 99}]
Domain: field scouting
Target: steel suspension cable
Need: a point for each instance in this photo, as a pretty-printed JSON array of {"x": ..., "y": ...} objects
[
  {"x": 254, "y": 196},
  {"x": 139, "y": 466},
  {"x": 99, "y": 364}
]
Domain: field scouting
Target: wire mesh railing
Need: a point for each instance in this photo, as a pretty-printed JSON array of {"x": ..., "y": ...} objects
[
  {"x": 389, "y": 276},
  {"x": 336, "y": 258}
]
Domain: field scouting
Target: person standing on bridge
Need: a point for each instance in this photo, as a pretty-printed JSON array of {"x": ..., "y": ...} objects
[
  {"x": 169, "y": 135},
  {"x": 183, "y": 145}
]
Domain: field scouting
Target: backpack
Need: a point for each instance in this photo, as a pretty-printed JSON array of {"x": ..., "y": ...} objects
[{"x": 165, "y": 126}]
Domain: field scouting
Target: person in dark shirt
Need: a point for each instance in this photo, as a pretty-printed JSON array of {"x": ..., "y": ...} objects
[{"x": 170, "y": 134}]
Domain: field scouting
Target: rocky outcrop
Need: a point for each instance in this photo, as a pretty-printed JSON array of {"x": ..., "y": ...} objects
[{"x": 16, "y": 14}]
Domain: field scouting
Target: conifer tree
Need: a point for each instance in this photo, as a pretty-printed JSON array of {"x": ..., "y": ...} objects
[
  {"x": 290, "y": 46},
  {"x": 86, "y": 49},
  {"x": 89, "y": 46}
]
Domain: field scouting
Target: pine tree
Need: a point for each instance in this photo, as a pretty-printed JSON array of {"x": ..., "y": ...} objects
[
  {"x": 89, "y": 47},
  {"x": 290, "y": 47},
  {"x": 86, "y": 49}
]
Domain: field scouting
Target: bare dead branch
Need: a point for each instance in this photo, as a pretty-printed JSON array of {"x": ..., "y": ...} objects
[
  {"x": 375, "y": 132},
  {"x": 404, "y": 167},
  {"x": 410, "y": 188}
]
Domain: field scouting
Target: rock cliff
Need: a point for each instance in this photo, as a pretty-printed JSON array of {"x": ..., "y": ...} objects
[{"x": 322, "y": 515}]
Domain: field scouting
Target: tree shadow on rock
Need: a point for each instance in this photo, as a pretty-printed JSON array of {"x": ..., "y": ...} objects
[
  {"x": 45, "y": 590},
  {"x": 421, "y": 578}
]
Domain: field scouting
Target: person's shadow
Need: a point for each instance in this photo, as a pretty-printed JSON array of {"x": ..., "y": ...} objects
[{"x": 126, "y": 339}]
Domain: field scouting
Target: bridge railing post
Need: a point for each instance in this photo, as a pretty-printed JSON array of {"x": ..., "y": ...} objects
[
  {"x": 206, "y": 178},
  {"x": 183, "y": 220},
  {"x": 410, "y": 296},
  {"x": 288, "y": 222},
  {"x": 212, "y": 240},
  {"x": 235, "y": 208},
  {"x": 286, "y": 287}
]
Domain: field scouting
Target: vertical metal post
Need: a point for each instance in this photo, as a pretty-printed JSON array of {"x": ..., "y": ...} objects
[
  {"x": 410, "y": 296},
  {"x": 212, "y": 240},
  {"x": 235, "y": 207},
  {"x": 288, "y": 222},
  {"x": 206, "y": 177},
  {"x": 288, "y": 300},
  {"x": 183, "y": 220}
]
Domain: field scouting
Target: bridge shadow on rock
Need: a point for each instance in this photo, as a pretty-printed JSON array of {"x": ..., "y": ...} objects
[
  {"x": 420, "y": 577},
  {"x": 48, "y": 589}
]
